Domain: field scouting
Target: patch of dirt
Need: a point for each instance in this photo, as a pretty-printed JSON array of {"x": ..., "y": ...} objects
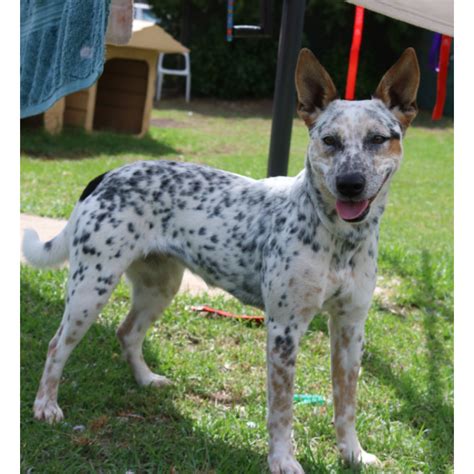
[
  {"x": 221, "y": 398},
  {"x": 385, "y": 295}
]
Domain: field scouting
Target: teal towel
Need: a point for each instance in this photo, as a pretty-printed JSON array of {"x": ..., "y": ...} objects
[{"x": 62, "y": 49}]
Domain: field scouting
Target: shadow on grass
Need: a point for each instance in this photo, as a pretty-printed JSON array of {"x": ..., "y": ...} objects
[
  {"x": 123, "y": 427},
  {"x": 75, "y": 143},
  {"x": 430, "y": 281},
  {"x": 428, "y": 409}
]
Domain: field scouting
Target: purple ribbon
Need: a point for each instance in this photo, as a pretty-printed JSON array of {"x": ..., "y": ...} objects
[{"x": 433, "y": 60}]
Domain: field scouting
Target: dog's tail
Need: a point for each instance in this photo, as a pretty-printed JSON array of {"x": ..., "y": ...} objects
[{"x": 45, "y": 254}]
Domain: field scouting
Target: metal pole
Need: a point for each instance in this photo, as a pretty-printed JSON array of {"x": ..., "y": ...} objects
[{"x": 291, "y": 32}]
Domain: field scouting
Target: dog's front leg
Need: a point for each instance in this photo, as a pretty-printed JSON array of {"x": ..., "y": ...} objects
[
  {"x": 282, "y": 346},
  {"x": 347, "y": 339}
]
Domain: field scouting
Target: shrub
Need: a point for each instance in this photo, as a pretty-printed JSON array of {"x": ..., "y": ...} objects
[{"x": 246, "y": 67}]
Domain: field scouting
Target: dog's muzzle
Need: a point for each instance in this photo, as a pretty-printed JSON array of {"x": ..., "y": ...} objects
[{"x": 353, "y": 185}]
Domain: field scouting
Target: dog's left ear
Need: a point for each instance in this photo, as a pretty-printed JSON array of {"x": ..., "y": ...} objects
[
  {"x": 399, "y": 86},
  {"x": 314, "y": 87}
]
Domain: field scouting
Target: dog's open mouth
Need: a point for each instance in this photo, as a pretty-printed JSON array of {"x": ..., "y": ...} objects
[
  {"x": 352, "y": 211},
  {"x": 356, "y": 211}
]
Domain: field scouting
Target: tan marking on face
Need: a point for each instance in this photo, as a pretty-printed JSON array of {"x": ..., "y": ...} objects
[
  {"x": 394, "y": 146},
  {"x": 404, "y": 119}
]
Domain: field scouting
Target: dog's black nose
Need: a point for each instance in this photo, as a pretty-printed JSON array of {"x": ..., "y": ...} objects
[{"x": 351, "y": 184}]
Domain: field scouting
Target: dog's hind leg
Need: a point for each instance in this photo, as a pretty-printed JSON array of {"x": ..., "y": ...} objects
[
  {"x": 85, "y": 299},
  {"x": 155, "y": 280}
]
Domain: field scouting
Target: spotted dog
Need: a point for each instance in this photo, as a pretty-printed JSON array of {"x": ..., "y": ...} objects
[{"x": 292, "y": 246}]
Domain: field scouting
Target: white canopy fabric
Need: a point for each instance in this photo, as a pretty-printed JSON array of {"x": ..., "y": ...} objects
[
  {"x": 433, "y": 15},
  {"x": 146, "y": 35}
]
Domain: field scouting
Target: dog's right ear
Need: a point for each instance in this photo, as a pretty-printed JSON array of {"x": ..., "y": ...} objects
[{"x": 314, "y": 87}]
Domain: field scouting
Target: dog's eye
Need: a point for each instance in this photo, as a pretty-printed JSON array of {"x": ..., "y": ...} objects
[
  {"x": 378, "y": 139},
  {"x": 329, "y": 141}
]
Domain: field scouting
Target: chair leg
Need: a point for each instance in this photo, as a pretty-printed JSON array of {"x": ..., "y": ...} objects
[
  {"x": 188, "y": 87},
  {"x": 159, "y": 85}
]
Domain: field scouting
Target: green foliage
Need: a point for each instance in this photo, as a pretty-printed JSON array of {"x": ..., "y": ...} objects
[
  {"x": 246, "y": 67},
  {"x": 242, "y": 68}
]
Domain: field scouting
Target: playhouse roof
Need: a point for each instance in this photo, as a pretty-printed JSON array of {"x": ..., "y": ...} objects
[
  {"x": 435, "y": 16},
  {"x": 147, "y": 35}
]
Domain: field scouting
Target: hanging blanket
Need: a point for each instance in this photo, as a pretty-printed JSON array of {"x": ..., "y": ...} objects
[{"x": 62, "y": 49}]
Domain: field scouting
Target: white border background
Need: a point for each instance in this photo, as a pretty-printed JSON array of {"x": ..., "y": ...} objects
[
  {"x": 10, "y": 247},
  {"x": 464, "y": 235}
]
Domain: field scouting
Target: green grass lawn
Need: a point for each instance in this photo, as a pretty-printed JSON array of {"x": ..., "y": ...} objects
[{"x": 213, "y": 418}]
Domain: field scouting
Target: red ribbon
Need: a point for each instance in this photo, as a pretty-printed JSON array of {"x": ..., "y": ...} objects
[
  {"x": 442, "y": 77},
  {"x": 225, "y": 314},
  {"x": 354, "y": 56}
]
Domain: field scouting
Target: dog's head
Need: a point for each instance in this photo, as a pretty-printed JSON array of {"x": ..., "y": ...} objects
[{"x": 356, "y": 146}]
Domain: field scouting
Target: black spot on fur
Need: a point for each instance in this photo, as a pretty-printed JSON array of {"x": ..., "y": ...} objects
[{"x": 90, "y": 188}]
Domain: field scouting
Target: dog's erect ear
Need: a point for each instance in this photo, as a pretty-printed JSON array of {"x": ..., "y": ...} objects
[
  {"x": 314, "y": 87},
  {"x": 398, "y": 87}
]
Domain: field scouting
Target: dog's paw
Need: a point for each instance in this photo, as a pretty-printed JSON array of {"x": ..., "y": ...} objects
[
  {"x": 362, "y": 458},
  {"x": 47, "y": 410},
  {"x": 285, "y": 465},
  {"x": 367, "y": 459},
  {"x": 155, "y": 380}
]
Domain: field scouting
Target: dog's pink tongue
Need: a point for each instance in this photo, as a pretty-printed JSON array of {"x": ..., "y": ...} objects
[{"x": 351, "y": 210}]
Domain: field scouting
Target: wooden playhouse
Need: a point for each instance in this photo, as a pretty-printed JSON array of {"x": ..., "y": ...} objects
[{"x": 122, "y": 99}]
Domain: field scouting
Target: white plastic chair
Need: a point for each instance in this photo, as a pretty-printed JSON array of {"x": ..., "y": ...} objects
[{"x": 174, "y": 72}]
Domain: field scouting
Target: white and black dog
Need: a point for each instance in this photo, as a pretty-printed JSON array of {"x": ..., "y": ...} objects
[{"x": 293, "y": 246}]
